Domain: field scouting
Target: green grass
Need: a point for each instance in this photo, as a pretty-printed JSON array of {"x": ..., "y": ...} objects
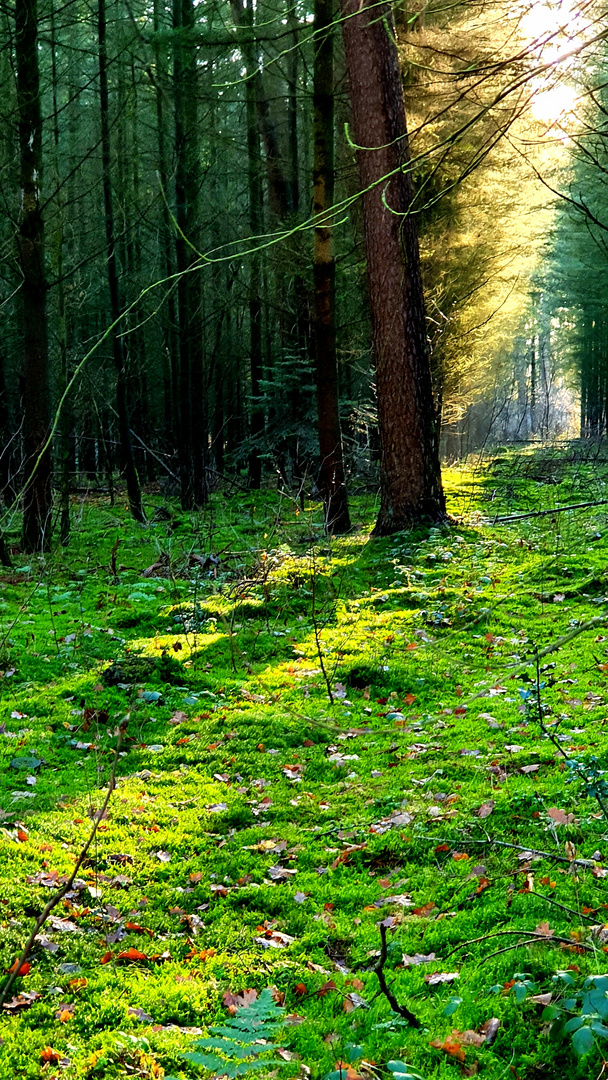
[{"x": 235, "y": 763}]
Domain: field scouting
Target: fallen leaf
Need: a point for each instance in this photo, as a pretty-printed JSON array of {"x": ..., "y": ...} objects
[
  {"x": 560, "y": 817},
  {"x": 438, "y": 977},
  {"x": 486, "y": 809},
  {"x": 417, "y": 958}
]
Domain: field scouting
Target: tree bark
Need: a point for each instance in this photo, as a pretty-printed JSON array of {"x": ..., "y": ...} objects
[
  {"x": 37, "y": 496},
  {"x": 331, "y": 471},
  {"x": 410, "y": 476},
  {"x": 122, "y": 406},
  {"x": 193, "y": 419}
]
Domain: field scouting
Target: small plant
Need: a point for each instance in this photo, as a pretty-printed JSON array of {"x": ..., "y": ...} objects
[
  {"x": 580, "y": 1016},
  {"x": 398, "y": 1070},
  {"x": 243, "y": 1043}
]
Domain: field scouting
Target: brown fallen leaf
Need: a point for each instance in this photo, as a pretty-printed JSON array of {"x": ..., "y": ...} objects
[
  {"x": 544, "y": 930},
  {"x": 560, "y": 817},
  {"x": 417, "y": 958},
  {"x": 234, "y": 1002},
  {"x": 490, "y": 1029},
  {"x": 486, "y": 809},
  {"x": 438, "y": 977}
]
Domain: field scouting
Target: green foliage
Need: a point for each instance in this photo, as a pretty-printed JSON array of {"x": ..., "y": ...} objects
[{"x": 245, "y": 1037}]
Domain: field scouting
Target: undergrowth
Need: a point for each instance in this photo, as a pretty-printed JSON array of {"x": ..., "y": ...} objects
[{"x": 260, "y": 832}]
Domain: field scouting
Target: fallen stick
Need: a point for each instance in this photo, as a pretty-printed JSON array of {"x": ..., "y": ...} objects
[
  {"x": 403, "y": 1011},
  {"x": 545, "y": 513},
  {"x": 40, "y": 921}
]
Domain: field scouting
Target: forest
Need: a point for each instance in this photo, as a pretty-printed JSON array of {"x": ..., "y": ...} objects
[{"x": 303, "y": 539}]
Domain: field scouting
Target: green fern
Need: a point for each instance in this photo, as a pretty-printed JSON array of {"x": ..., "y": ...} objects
[{"x": 243, "y": 1042}]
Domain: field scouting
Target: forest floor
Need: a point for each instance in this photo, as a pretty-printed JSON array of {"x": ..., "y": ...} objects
[{"x": 259, "y": 833}]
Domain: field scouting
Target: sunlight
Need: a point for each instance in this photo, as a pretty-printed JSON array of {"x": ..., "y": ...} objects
[{"x": 554, "y": 103}]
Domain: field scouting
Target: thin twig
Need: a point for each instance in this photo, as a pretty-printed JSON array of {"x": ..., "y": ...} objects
[
  {"x": 544, "y": 513},
  {"x": 403, "y": 1011},
  {"x": 514, "y": 847},
  {"x": 40, "y": 921},
  {"x": 535, "y": 941}
]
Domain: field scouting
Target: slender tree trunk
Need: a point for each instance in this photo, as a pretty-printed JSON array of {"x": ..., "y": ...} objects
[
  {"x": 331, "y": 472},
  {"x": 193, "y": 419},
  {"x": 122, "y": 406},
  {"x": 65, "y": 420},
  {"x": 170, "y": 366},
  {"x": 410, "y": 477},
  {"x": 37, "y": 497},
  {"x": 256, "y": 224}
]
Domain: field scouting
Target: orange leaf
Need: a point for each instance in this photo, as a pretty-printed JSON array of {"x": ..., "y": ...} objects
[
  {"x": 131, "y": 954},
  {"x": 451, "y": 1046},
  {"x": 23, "y": 970},
  {"x": 425, "y": 909},
  {"x": 301, "y": 989},
  {"x": 77, "y": 984},
  {"x": 409, "y": 699},
  {"x": 441, "y": 847},
  {"x": 137, "y": 929},
  {"x": 458, "y": 856},
  {"x": 22, "y": 835},
  {"x": 49, "y": 1055},
  {"x": 64, "y": 1016},
  {"x": 106, "y": 958}
]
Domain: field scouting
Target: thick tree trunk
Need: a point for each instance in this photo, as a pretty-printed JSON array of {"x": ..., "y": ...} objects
[
  {"x": 331, "y": 472},
  {"x": 122, "y": 407},
  {"x": 410, "y": 475},
  {"x": 35, "y": 380}
]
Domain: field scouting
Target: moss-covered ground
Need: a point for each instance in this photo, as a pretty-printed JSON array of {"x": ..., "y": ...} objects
[{"x": 260, "y": 832}]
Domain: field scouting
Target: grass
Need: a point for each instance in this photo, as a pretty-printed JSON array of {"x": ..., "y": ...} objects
[{"x": 258, "y": 833}]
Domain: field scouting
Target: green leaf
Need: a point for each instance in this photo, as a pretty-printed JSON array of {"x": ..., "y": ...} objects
[
  {"x": 520, "y": 992},
  {"x": 451, "y": 1006},
  {"x": 574, "y": 1023},
  {"x": 354, "y": 1051},
  {"x": 583, "y": 1041},
  {"x": 30, "y": 763},
  {"x": 599, "y": 1029}
]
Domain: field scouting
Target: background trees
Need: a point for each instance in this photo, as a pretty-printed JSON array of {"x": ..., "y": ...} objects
[{"x": 194, "y": 172}]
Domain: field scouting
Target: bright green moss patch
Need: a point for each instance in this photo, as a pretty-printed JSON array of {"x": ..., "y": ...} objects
[{"x": 259, "y": 833}]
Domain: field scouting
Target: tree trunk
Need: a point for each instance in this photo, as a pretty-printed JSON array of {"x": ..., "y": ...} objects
[
  {"x": 256, "y": 224},
  {"x": 331, "y": 472},
  {"x": 410, "y": 475},
  {"x": 35, "y": 382},
  {"x": 193, "y": 420},
  {"x": 122, "y": 407}
]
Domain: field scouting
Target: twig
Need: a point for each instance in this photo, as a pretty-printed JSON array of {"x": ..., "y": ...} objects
[
  {"x": 504, "y": 933},
  {"x": 315, "y": 623},
  {"x": 535, "y": 941},
  {"x": 514, "y": 669},
  {"x": 544, "y": 513},
  {"x": 40, "y": 921},
  {"x": 403, "y": 1011},
  {"x": 514, "y": 847}
]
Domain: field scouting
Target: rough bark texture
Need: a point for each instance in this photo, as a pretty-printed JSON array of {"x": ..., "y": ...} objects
[
  {"x": 193, "y": 410},
  {"x": 409, "y": 460},
  {"x": 256, "y": 224},
  {"x": 331, "y": 472},
  {"x": 35, "y": 379},
  {"x": 122, "y": 406}
]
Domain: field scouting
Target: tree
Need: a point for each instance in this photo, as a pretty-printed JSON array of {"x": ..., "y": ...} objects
[
  {"x": 331, "y": 471},
  {"x": 35, "y": 372},
  {"x": 410, "y": 475},
  {"x": 122, "y": 405}
]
